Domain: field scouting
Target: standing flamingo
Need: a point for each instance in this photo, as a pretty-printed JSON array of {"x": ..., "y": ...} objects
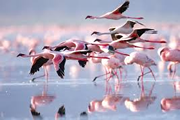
[
  {"x": 127, "y": 28},
  {"x": 171, "y": 55},
  {"x": 115, "y": 14},
  {"x": 141, "y": 59}
]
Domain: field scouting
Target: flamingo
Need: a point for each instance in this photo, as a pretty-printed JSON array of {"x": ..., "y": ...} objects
[
  {"x": 58, "y": 59},
  {"x": 135, "y": 35},
  {"x": 69, "y": 44},
  {"x": 141, "y": 59},
  {"x": 171, "y": 55},
  {"x": 45, "y": 66},
  {"x": 47, "y": 57},
  {"x": 127, "y": 28},
  {"x": 115, "y": 61},
  {"x": 118, "y": 44},
  {"x": 115, "y": 14}
]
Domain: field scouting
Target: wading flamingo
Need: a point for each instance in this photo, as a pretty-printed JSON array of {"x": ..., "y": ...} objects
[{"x": 141, "y": 59}]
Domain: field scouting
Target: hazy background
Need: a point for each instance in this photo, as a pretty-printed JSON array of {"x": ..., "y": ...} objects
[{"x": 73, "y": 12}]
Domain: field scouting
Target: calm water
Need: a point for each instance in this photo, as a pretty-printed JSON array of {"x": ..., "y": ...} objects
[{"x": 78, "y": 94}]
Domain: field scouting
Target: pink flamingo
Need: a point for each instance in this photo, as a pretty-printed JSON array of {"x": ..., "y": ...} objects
[
  {"x": 115, "y": 61},
  {"x": 45, "y": 66},
  {"x": 115, "y": 14},
  {"x": 171, "y": 55},
  {"x": 141, "y": 59},
  {"x": 127, "y": 28},
  {"x": 135, "y": 35},
  {"x": 69, "y": 44},
  {"x": 58, "y": 59},
  {"x": 118, "y": 44}
]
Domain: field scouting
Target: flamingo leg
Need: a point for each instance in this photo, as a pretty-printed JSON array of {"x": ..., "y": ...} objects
[
  {"x": 152, "y": 73},
  {"x": 142, "y": 73},
  {"x": 46, "y": 74},
  {"x": 174, "y": 72},
  {"x": 100, "y": 76},
  {"x": 37, "y": 77}
]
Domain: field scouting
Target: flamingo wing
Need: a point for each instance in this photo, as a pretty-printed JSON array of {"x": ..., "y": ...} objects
[
  {"x": 61, "y": 48},
  {"x": 59, "y": 62},
  {"x": 38, "y": 62},
  {"x": 121, "y": 8},
  {"x": 144, "y": 30}
]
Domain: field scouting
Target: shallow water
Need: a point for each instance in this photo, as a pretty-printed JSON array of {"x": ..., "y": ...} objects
[{"x": 78, "y": 94}]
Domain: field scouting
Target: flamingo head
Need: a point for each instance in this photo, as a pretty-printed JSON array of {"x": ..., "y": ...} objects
[
  {"x": 161, "y": 50},
  {"x": 97, "y": 40},
  {"x": 90, "y": 17},
  {"x": 95, "y": 32},
  {"x": 47, "y": 47},
  {"x": 111, "y": 49},
  {"x": 20, "y": 54}
]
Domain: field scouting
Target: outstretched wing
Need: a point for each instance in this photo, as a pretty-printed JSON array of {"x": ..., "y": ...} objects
[
  {"x": 121, "y": 8},
  {"x": 59, "y": 63},
  {"x": 38, "y": 62}
]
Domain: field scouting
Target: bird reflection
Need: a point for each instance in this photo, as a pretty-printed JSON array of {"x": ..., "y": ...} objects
[
  {"x": 60, "y": 113},
  {"x": 40, "y": 100},
  {"x": 169, "y": 104},
  {"x": 109, "y": 102},
  {"x": 142, "y": 103}
]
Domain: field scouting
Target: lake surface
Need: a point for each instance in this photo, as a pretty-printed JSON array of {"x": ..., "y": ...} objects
[{"x": 158, "y": 99}]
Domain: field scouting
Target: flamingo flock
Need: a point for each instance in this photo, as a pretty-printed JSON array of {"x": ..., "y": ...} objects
[
  {"x": 97, "y": 49},
  {"x": 102, "y": 51}
]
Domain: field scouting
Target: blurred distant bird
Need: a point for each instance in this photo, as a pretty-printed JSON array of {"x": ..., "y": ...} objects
[
  {"x": 127, "y": 28},
  {"x": 115, "y": 14},
  {"x": 141, "y": 59}
]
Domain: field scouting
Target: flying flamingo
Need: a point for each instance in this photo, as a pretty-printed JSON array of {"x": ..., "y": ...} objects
[
  {"x": 58, "y": 59},
  {"x": 68, "y": 44},
  {"x": 118, "y": 44},
  {"x": 171, "y": 55},
  {"x": 141, "y": 59},
  {"x": 45, "y": 66},
  {"x": 127, "y": 28},
  {"x": 43, "y": 58},
  {"x": 115, "y": 14},
  {"x": 135, "y": 35}
]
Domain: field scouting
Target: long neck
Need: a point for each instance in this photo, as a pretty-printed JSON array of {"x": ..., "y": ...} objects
[
  {"x": 138, "y": 18},
  {"x": 36, "y": 55}
]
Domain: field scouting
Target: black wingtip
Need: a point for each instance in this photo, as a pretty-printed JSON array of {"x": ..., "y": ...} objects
[{"x": 82, "y": 63}]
